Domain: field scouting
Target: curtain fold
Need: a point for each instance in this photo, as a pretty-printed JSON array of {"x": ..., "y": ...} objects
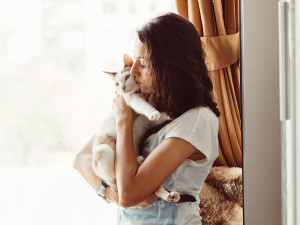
[
  {"x": 223, "y": 49},
  {"x": 217, "y": 22}
]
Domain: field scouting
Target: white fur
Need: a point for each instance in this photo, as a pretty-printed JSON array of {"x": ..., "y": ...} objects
[
  {"x": 104, "y": 153},
  {"x": 167, "y": 196}
]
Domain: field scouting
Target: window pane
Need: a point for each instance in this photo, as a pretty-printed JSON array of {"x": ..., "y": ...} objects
[{"x": 53, "y": 97}]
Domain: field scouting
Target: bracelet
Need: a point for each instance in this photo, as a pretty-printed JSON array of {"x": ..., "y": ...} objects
[{"x": 100, "y": 190}]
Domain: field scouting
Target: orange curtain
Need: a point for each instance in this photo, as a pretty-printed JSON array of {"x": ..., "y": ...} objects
[{"x": 217, "y": 22}]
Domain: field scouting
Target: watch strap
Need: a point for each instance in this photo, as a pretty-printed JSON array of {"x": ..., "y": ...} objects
[{"x": 100, "y": 190}]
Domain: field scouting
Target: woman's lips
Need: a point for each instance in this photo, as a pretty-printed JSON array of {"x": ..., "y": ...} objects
[{"x": 138, "y": 82}]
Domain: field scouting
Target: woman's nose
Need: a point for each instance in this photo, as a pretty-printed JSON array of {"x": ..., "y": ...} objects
[{"x": 134, "y": 69}]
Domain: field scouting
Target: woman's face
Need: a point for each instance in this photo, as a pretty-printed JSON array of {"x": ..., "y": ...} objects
[{"x": 141, "y": 68}]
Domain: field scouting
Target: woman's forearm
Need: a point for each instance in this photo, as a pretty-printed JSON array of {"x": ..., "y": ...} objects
[
  {"x": 83, "y": 164},
  {"x": 126, "y": 163}
]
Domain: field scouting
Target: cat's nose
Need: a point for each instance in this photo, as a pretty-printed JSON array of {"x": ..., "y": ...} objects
[{"x": 123, "y": 88}]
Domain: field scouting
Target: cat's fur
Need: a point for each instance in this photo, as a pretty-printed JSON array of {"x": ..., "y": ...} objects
[{"x": 104, "y": 145}]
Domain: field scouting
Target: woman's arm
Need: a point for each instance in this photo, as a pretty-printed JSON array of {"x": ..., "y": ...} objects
[
  {"x": 83, "y": 164},
  {"x": 136, "y": 183}
]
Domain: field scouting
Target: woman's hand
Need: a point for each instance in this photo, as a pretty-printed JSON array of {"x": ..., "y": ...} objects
[{"x": 121, "y": 110}]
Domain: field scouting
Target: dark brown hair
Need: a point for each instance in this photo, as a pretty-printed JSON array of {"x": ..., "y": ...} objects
[{"x": 180, "y": 79}]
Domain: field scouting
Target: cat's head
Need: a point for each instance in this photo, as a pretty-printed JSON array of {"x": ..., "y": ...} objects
[{"x": 123, "y": 81}]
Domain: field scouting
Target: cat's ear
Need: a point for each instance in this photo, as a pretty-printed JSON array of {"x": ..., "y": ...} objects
[
  {"x": 111, "y": 74},
  {"x": 127, "y": 60}
]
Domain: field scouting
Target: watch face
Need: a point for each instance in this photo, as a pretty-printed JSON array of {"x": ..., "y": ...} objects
[
  {"x": 101, "y": 192},
  {"x": 100, "y": 189}
]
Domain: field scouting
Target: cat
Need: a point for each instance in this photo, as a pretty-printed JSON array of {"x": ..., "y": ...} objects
[{"x": 104, "y": 144}]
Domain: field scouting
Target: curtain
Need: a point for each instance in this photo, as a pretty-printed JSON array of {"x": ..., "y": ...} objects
[{"x": 217, "y": 22}]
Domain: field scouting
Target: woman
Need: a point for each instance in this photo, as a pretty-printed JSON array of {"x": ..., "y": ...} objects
[{"x": 170, "y": 68}]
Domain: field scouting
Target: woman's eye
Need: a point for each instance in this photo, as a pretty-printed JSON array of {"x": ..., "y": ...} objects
[
  {"x": 126, "y": 78},
  {"x": 141, "y": 64}
]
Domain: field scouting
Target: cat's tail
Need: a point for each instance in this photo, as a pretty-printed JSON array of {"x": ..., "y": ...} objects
[{"x": 104, "y": 164}]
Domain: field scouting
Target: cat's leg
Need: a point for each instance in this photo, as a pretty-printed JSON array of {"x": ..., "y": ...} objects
[
  {"x": 141, "y": 106},
  {"x": 104, "y": 164},
  {"x": 167, "y": 196},
  {"x": 140, "y": 159},
  {"x": 163, "y": 117}
]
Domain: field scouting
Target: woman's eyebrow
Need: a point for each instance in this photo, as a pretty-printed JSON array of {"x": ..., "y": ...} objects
[{"x": 141, "y": 58}]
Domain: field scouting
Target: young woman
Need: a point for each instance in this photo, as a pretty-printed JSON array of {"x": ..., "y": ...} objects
[{"x": 169, "y": 66}]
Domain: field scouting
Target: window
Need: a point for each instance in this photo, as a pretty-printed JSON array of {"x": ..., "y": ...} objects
[{"x": 53, "y": 97}]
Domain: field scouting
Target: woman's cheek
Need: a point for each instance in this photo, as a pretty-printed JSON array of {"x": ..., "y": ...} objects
[{"x": 146, "y": 89}]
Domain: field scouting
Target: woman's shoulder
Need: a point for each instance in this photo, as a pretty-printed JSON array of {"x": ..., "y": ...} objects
[
  {"x": 198, "y": 126},
  {"x": 192, "y": 120}
]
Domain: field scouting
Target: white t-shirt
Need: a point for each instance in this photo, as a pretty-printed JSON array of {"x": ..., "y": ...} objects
[{"x": 198, "y": 126}]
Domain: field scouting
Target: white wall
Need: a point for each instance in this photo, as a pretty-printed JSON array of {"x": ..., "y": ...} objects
[{"x": 261, "y": 125}]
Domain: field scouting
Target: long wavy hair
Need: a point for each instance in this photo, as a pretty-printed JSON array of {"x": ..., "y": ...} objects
[{"x": 180, "y": 79}]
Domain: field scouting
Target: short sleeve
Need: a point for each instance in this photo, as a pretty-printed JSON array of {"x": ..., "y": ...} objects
[{"x": 199, "y": 127}]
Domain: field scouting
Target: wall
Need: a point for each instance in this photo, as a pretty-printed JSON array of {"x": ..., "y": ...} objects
[{"x": 261, "y": 124}]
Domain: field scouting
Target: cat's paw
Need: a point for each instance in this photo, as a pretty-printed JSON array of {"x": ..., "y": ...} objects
[
  {"x": 154, "y": 116},
  {"x": 165, "y": 116},
  {"x": 173, "y": 197},
  {"x": 140, "y": 159}
]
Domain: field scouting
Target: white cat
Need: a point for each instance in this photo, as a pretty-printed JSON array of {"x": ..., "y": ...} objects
[{"x": 104, "y": 145}]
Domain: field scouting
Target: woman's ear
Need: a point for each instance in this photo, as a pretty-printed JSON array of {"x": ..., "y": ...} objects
[
  {"x": 111, "y": 74},
  {"x": 127, "y": 60}
]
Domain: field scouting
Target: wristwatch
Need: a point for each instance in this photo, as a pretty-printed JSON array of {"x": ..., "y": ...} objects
[{"x": 100, "y": 190}]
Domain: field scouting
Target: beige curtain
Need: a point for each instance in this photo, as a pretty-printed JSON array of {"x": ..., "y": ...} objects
[{"x": 217, "y": 22}]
